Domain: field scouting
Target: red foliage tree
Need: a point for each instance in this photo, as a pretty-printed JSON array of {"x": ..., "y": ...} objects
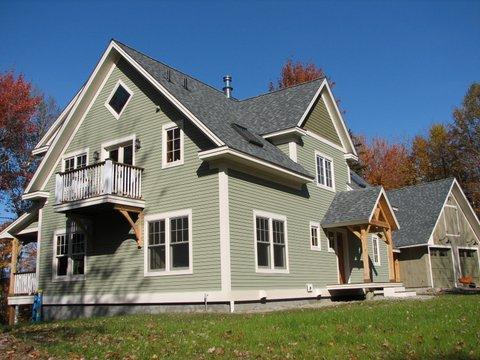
[
  {"x": 294, "y": 73},
  {"x": 24, "y": 117},
  {"x": 385, "y": 164}
]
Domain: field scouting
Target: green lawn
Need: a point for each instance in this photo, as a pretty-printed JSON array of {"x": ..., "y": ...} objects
[{"x": 444, "y": 327}]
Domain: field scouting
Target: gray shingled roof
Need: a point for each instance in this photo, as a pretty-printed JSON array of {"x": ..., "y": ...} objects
[
  {"x": 351, "y": 207},
  {"x": 418, "y": 209},
  {"x": 357, "y": 182},
  {"x": 270, "y": 112}
]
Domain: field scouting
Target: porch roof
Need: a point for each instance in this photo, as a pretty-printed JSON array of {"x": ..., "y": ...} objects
[{"x": 357, "y": 207}]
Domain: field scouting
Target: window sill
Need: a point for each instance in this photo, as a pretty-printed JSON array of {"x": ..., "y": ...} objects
[
  {"x": 168, "y": 273},
  {"x": 68, "y": 278},
  {"x": 172, "y": 164},
  {"x": 325, "y": 187},
  {"x": 315, "y": 248},
  {"x": 272, "y": 271}
]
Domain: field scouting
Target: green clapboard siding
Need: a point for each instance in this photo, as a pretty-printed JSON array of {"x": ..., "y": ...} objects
[
  {"x": 319, "y": 122},
  {"x": 114, "y": 264},
  {"x": 247, "y": 193},
  {"x": 355, "y": 261}
]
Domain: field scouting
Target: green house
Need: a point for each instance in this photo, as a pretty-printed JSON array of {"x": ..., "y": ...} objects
[{"x": 157, "y": 191}]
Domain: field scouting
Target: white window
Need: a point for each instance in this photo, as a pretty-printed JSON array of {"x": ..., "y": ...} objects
[
  {"x": 118, "y": 99},
  {"x": 172, "y": 145},
  {"x": 75, "y": 160},
  {"x": 69, "y": 253},
  {"x": 315, "y": 243},
  {"x": 270, "y": 234},
  {"x": 324, "y": 170},
  {"x": 376, "y": 250},
  {"x": 331, "y": 241},
  {"x": 168, "y": 247},
  {"x": 120, "y": 150}
]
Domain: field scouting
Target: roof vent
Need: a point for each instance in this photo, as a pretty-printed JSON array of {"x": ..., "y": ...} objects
[
  {"x": 169, "y": 75},
  {"x": 185, "y": 83},
  {"x": 227, "y": 89}
]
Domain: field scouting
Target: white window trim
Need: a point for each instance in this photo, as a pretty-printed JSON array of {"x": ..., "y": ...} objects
[
  {"x": 107, "y": 105},
  {"x": 329, "y": 248},
  {"x": 316, "y": 225},
  {"x": 167, "y": 216},
  {"x": 69, "y": 276},
  {"x": 74, "y": 154},
  {"x": 318, "y": 153},
  {"x": 377, "y": 242},
  {"x": 270, "y": 217},
  {"x": 445, "y": 220},
  {"x": 106, "y": 146},
  {"x": 166, "y": 127}
]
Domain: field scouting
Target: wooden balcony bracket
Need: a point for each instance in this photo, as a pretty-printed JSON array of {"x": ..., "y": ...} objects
[{"x": 137, "y": 224}]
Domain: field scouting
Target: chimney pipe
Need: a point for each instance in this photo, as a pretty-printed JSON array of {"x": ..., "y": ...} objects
[{"x": 227, "y": 89}]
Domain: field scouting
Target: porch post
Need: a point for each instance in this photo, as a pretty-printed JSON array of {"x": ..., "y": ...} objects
[
  {"x": 391, "y": 261},
  {"x": 366, "y": 261},
  {"x": 13, "y": 270}
]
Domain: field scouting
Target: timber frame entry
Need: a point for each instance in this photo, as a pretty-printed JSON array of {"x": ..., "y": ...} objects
[{"x": 382, "y": 223}]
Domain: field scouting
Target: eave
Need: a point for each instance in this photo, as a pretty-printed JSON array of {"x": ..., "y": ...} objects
[{"x": 227, "y": 157}]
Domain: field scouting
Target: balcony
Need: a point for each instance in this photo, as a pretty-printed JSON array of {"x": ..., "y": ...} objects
[
  {"x": 25, "y": 283},
  {"x": 107, "y": 182}
]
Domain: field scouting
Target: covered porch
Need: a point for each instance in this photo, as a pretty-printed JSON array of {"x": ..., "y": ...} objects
[
  {"x": 22, "y": 236},
  {"x": 359, "y": 227}
]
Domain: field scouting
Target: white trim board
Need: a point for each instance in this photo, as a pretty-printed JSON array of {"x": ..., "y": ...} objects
[{"x": 224, "y": 219}]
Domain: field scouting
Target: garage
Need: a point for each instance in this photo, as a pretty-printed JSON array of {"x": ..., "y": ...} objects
[
  {"x": 469, "y": 263},
  {"x": 442, "y": 267}
]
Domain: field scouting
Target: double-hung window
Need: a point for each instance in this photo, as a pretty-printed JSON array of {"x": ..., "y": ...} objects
[
  {"x": 315, "y": 243},
  {"x": 376, "y": 250},
  {"x": 172, "y": 145},
  {"x": 270, "y": 242},
  {"x": 324, "y": 171},
  {"x": 169, "y": 243},
  {"x": 75, "y": 160},
  {"x": 69, "y": 254}
]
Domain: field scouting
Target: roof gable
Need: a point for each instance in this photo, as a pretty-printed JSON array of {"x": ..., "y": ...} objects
[
  {"x": 320, "y": 122},
  {"x": 418, "y": 209},
  {"x": 357, "y": 207}
]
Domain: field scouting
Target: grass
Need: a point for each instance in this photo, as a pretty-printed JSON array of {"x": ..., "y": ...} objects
[{"x": 444, "y": 327}]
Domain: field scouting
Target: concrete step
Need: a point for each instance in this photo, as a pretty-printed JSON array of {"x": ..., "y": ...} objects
[{"x": 398, "y": 292}]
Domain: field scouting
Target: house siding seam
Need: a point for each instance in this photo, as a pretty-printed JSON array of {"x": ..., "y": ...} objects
[{"x": 114, "y": 265}]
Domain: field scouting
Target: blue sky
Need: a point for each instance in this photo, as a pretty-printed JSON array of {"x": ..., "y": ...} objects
[{"x": 398, "y": 66}]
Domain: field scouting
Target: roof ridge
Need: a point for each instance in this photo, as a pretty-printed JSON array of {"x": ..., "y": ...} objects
[
  {"x": 171, "y": 67},
  {"x": 423, "y": 184},
  {"x": 287, "y": 88}
]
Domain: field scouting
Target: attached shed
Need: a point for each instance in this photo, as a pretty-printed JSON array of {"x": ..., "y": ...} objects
[{"x": 439, "y": 235}]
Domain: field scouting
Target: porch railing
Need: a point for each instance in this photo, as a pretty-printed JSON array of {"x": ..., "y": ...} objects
[
  {"x": 105, "y": 178},
  {"x": 25, "y": 283}
]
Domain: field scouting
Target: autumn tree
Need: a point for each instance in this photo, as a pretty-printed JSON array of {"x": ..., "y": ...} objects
[
  {"x": 294, "y": 73},
  {"x": 25, "y": 115},
  {"x": 434, "y": 157},
  {"x": 465, "y": 138},
  {"x": 386, "y": 164}
]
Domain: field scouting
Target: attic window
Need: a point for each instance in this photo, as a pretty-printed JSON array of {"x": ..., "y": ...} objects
[
  {"x": 247, "y": 135},
  {"x": 118, "y": 99}
]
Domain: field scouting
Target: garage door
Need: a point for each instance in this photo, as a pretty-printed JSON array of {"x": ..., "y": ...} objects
[
  {"x": 469, "y": 263},
  {"x": 442, "y": 267}
]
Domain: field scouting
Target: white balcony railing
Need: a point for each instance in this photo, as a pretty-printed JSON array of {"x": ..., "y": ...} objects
[
  {"x": 25, "y": 283},
  {"x": 105, "y": 178}
]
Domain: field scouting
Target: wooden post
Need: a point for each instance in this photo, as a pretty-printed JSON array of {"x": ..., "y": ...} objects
[
  {"x": 366, "y": 262},
  {"x": 397, "y": 269},
  {"x": 391, "y": 261},
  {"x": 13, "y": 270}
]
